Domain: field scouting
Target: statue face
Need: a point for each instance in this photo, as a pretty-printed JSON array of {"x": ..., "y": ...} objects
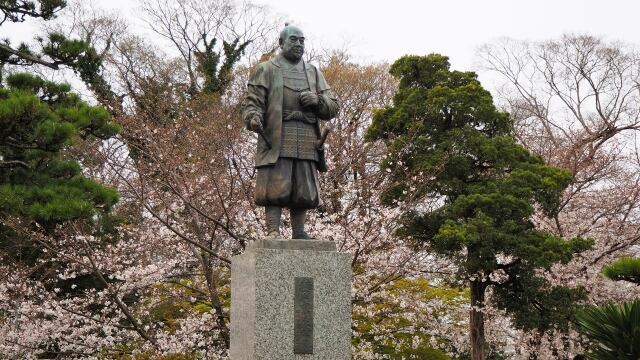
[{"x": 293, "y": 45}]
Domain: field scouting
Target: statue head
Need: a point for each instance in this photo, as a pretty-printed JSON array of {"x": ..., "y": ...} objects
[{"x": 292, "y": 43}]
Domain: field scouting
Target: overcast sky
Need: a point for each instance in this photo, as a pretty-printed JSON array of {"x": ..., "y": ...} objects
[
  {"x": 385, "y": 30},
  {"x": 378, "y": 30}
]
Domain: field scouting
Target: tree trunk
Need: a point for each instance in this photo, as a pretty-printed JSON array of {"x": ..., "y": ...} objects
[
  {"x": 212, "y": 286},
  {"x": 476, "y": 320}
]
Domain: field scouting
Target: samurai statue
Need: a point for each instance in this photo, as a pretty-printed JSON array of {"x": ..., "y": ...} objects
[{"x": 287, "y": 98}]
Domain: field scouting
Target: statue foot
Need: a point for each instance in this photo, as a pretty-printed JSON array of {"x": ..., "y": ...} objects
[
  {"x": 297, "y": 224},
  {"x": 302, "y": 236}
]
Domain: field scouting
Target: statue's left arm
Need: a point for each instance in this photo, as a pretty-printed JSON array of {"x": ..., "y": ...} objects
[
  {"x": 327, "y": 101},
  {"x": 327, "y": 105}
]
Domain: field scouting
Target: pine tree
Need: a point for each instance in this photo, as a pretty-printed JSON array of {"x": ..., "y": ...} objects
[
  {"x": 41, "y": 180},
  {"x": 41, "y": 184},
  {"x": 448, "y": 143},
  {"x": 55, "y": 50},
  {"x": 625, "y": 268}
]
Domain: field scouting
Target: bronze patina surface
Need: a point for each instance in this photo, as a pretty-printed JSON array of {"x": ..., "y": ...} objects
[{"x": 287, "y": 98}]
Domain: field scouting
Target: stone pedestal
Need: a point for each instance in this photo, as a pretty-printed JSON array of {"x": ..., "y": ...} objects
[{"x": 291, "y": 299}]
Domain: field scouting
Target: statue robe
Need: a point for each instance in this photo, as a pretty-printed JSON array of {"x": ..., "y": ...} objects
[
  {"x": 265, "y": 91},
  {"x": 285, "y": 179}
]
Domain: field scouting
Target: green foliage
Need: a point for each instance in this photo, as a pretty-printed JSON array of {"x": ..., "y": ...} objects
[
  {"x": 397, "y": 314},
  {"x": 56, "y": 49},
  {"x": 80, "y": 56},
  {"x": 218, "y": 76},
  {"x": 422, "y": 352},
  {"x": 40, "y": 182},
  {"x": 614, "y": 330},
  {"x": 625, "y": 268},
  {"x": 166, "y": 305},
  {"x": 446, "y": 140},
  {"x": 534, "y": 304},
  {"x": 18, "y": 10},
  {"x": 177, "y": 301}
]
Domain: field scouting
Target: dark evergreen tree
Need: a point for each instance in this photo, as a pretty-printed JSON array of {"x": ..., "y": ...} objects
[
  {"x": 41, "y": 180},
  {"x": 447, "y": 142},
  {"x": 20, "y": 10},
  {"x": 217, "y": 76},
  {"x": 55, "y": 50},
  {"x": 41, "y": 184}
]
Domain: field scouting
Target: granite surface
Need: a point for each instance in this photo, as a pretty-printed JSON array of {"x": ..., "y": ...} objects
[{"x": 262, "y": 300}]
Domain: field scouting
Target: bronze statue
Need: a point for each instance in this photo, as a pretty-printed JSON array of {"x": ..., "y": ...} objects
[{"x": 286, "y": 99}]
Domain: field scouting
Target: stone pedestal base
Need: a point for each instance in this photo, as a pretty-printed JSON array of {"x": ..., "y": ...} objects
[{"x": 291, "y": 299}]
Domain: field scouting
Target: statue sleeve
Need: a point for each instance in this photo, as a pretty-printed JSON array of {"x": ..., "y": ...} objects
[
  {"x": 328, "y": 102},
  {"x": 327, "y": 105},
  {"x": 255, "y": 102}
]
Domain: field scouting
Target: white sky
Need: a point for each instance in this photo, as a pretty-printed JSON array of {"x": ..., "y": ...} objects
[
  {"x": 378, "y": 30},
  {"x": 385, "y": 30}
]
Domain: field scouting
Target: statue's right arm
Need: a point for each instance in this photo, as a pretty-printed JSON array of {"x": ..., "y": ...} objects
[{"x": 254, "y": 105}]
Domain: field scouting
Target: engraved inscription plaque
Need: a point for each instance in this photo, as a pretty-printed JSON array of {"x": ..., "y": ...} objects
[{"x": 303, "y": 316}]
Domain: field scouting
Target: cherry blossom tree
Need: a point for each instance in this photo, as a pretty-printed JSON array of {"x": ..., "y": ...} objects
[{"x": 575, "y": 102}]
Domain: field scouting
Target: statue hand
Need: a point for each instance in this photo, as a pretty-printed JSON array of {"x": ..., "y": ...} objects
[
  {"x": 255, "y": 124},
  {"x": 309, "y": 99}
]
